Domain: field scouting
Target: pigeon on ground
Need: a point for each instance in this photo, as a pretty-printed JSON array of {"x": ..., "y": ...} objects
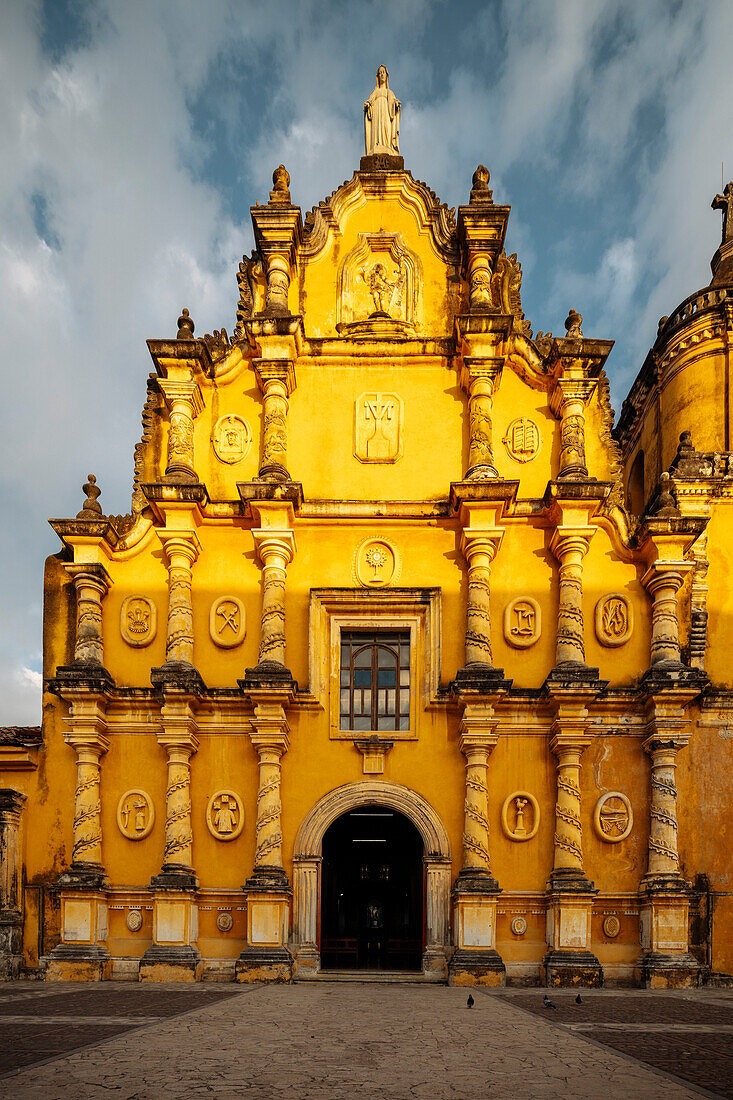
[
  {"x": 470, "y": 1001},
  {"x": 578, "y": 1000},
  {"x": 548, "y": 1003}
]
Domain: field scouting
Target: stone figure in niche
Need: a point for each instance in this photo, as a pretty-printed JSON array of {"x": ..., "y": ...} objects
[
  {"x": 387, "y": 294},
  {"x": 382, "y": 118},
  {"x": 226, "y": 817}
]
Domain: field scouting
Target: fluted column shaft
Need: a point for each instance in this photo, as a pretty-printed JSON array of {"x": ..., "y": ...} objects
[
  {"x": 276, "y": 549},
  {"x": 663, "y": 581},
  {"x": 568, "y": 838},
  {"x": 663, "y": 854},
  {"x": 91, "y": 584},
  {"x": 184, "y": 402},
  {"x": 181, "y": 550},
  {"x": 479, "y": 548},
  {"x": 570, "y": 545}
]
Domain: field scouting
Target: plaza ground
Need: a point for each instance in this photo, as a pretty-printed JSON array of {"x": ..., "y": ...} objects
[{"x": 332, "y": 1039}]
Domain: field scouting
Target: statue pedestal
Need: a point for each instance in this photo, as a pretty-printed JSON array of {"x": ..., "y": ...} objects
[
  {"x": 569, "y": 960},
  {"x": 382, "y": 162},
  {"x": 475, "y": 960},
  {"x": 666, "y": 962},
  {"x": 173, "y": 955}
]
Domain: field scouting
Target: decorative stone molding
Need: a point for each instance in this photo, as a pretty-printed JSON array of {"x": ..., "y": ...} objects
[
  {"x": 135, "y": 814},
  {"x": 376, "y": 563},
  {"x": 373, "y": 750},
  {"x": 378, "y": 427},
  {"x": 391, "y": 286},
  {"x": 138, "y": 620},
  {"x": 225, "y": 922},
  {"x": 518, "y": 801},
  {"x": 519, "y": 926},
  {"x": 614, "y": 619},
  {"x": 134, "y": 920},
  {"x": 227, "y": 622},
  {"x": 611, "y": 926},
  {"x": 613, "y": 817},
  {"x": 225, "y": 815},
  {"x": 522, "y": 622},
  {"x": 231, "y": 439}
]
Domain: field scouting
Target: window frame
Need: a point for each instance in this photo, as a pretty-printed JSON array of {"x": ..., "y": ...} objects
[{"x": 374, "y": 641}]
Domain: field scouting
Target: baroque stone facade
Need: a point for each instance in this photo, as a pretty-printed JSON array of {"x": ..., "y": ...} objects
[{"x": 390, "y": 562}]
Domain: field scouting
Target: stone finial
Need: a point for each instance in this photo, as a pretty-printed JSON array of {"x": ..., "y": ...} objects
[
  {"x": 573, "y": 321},
  {"x": 665, "y": 503},
  {"x": 688, "y": 462},
  {"x": 480, "y": 185},
  {"x": 280, "y": 185},
  {"x": 92, "y": 508},
  {"x": 185, "y": 326},
  {"x": 724, "y": 202},
  {"x": 661, "y": 323}
]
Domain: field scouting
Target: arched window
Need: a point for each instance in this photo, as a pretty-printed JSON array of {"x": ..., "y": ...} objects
[
  {"x": 636, "y": 498},
  {"x": 375, "y": 680}
]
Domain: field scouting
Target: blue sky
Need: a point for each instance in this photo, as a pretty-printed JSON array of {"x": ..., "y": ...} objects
[{"x": 137, "y": 133}]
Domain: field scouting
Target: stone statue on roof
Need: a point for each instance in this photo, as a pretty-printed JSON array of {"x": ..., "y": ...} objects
[{"x": 382, "y": 118}]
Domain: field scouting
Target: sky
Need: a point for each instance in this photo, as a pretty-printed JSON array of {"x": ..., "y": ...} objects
[{"x": 137, "y": 133}]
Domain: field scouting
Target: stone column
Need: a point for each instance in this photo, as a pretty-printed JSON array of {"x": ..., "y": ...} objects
[
  {"x": 11, "y": 903},
  {"x": 184, "y": 402},
  {"x": 437, "y": 914},
  {"x": 568, "y": 838},
  {"x": 306, "y": 886},
  {"x": 276, "y": 379},
  {"x": 276, "y": 549},
  {"x": 476, "y": 960},
  {"x": 87, "y": 851},
  {"x": 266, "y": 956},
  {"x": 570, "y": 545},
  {"x": 568, "y": 401},
  {"x": 663, "y": 581},
  {"x": 479, "y": 283},
  {"x": 178, "y": 851},
  {"x": 479, "y": 547},
  {"x": 92, "y": 583},
  {"x": 663, "y": 857},
  {"x": 181, "y": 550},
  {"x": 278, "y": 284},
  {"x": 480, "y": 380}
]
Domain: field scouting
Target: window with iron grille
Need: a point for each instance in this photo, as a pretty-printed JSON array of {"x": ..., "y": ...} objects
[{"x": 375, "y": 680}]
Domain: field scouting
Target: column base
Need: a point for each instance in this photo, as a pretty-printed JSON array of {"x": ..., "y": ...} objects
[
  {"x": 435, "y": 963},
  {"x": 268, "y": 674},
  {"x": 178, "y": 676},
  {"x": 11, "y": 944},
  {"x": 670, "y": 673},
  {"x": 475, "y": 882},
  {"x": 306, "y": 961},
  {"x": 568, "y": 881},
  {"x": 479, "y": 678},
  {"x": 476, "y": 967},
  {"x": 175, "y": 877},
  {"x": 573, "y": 674},
  {"x": 567, "y": 969},
  {"x": 264, "y": 964},
  {"x": 78, "y": 962},
  {"x": 268, "y": 878},
  {"x": 659, "y": 971},
  {"x": 171, "y": 963},
  {"x": 89, "y": 674}
]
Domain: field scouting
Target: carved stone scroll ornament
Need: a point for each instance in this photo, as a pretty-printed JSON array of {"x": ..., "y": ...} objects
[
  {"x": 134, "y": 920},
  {"x": 227, "y": 622},
  {"x": 225, "y": 815},
  {"x": 225, "y": 922},
  {"x": 613, "y": 818},
  {"x": 520, "y": 816},
  {"x": 614, "y": 619},
  {"x": 135, "y": 814},
  {"x": 522, "y": 622},
  {"x": 138, "y": 620}
]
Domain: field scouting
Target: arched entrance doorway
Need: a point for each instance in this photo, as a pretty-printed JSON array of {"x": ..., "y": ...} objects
[
  {"x": 308, "y": 861},
  {"x": 372, "y": 892}
]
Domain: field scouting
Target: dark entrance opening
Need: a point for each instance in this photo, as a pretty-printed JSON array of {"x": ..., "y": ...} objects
[{"x": 372, "y": 892}]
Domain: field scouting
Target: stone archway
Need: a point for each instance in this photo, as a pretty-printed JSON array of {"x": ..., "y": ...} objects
[{"x": 307, "y": 857}]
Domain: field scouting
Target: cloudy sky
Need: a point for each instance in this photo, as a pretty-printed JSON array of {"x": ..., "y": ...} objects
[{"x": 135, "y": 134}]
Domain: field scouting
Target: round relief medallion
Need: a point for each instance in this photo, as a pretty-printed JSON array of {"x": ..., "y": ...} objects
[
  {"x": 520, "y": 816},
  {"x": 376, "y": 563},
  {"x": 138, "y": 620},
  {"x": 231, "y": 439},
  {"x": 224, "y": 922},
  {"x": 614, "y": 619},
  {"x": 134, "y": 920},
  {"x": 611, "y": 926},
  {"x": 613, "y": 817},
  {"x": 522, "y": 439},
  {"x": 519, "y": 926},
  {"x": 227, "y": 624},
  {"x": 135, "y": 814},
  {"x": 522, "y": 622},
  {"x": 225, "y": 815}
]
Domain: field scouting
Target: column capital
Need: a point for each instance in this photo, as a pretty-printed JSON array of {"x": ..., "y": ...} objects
[
  {"x": 666, "y": 574},
  {"x": 92, "y": 574},
  {"x": 571, "y": 389},
  {"x": 479, "y": 369},
  {"x": 183, "y": 541},
  {"x": 270, "y": 728},
  {"x": 481, "y": 541},
  {"x": 274, "y": 542},
  {"x": 11, "y": 801},
  {"x": 178, "y": 389},
  {"x": 568, "y": 538},
  {"x": 275, "y": 372},
  {"x": 570, "y": 742}
]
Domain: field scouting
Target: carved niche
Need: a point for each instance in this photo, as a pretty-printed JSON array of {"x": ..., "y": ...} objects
[
  {"x": 138, "y": 620},
  {"x": 380, "y": 279},
  {"x": 378, "y": 421},
  {"x": 376, "y": 563},
  {"x": 520, "y": 816},
  {"x": 135, "y": 814},
  {"x": 614, "y": 619},
  {"x": 522, "y": 439},
  {"x": 613, "y": 817},
  {"x": 227, "y": 624},
  {"x": 225, "y": 815},
  {"x": 522, "y": 622},
  {"x": 231, "y": 439}
]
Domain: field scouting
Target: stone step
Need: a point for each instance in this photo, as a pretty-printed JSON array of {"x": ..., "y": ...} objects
[{"x": 372, "y": 976}]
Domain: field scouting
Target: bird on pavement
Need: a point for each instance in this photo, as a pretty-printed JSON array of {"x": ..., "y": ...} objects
[
  {"x": 470, "y": 1001},
  {"x": 578, "y": 1000},
  {"x": 548, "y": 1003}
]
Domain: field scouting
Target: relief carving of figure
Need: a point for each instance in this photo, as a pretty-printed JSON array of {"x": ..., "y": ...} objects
[
  {"x": 382, "y": 118},
  {"x": 387, "y": 294}
]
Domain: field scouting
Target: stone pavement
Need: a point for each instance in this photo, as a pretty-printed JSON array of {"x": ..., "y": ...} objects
[{"x": 360, "y": 1040}]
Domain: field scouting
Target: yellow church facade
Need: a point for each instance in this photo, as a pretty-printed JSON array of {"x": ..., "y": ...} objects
[{"x": 405, "y": 659}]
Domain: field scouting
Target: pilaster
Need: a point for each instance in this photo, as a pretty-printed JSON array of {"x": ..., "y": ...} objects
[{"x": 11, "y": 898}]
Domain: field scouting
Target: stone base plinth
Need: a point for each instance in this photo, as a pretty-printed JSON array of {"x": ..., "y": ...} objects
[
  {"x": 658, "y": 971},
  {"x": 435, "y": 963},
  {"x": 568, "y": 969},
  {"x": 163, "y": 963},
  {"x": 11, "y": 944},
  {"x": 306, "y": 962},
  {"x": 71, "y": 962},
  {"x": 476, "y": 967},
  {"x": 264, "y": 964}
]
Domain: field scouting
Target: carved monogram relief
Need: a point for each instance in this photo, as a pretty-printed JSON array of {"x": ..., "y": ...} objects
[
  {"x": 613, "y": 817},
  {"x": 378, "y": 421},
  {"x": 375, "y": 563},
  {"x": 614, "y": 619},
  {"x": 227, "y": 625},
  {"x": 135, "y": 814},
  {"x": 138, "y": 620},
  {"x": 225, "y": 815},
  {"x": 520, "y": 816},
  {"x": 522, "y": 439},
  {"x": 231, "y": 439},
  {"x": 522, "y": 622}
]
